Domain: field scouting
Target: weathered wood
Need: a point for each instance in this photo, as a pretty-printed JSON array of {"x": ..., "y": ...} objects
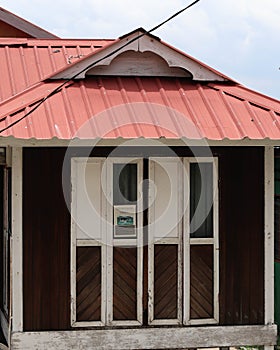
[
  {"x": 46, "y": 242},
  {"x": 88, "y": 284},
  {"x": 132, "y": 63},
  {"x": 144, "y": 44},
  {"x": 269, "y": 237},
  {"x": 124, "y": 283},
  {"x": 241, "y": 228},
  {"x": 165, "y": 281},
  {"x": 153, "y": 338},
  {"x": 201, "y": 277},
  {"x": 47, "y": 232},
  {"x": 16, "y": 241},
  {"x": 54, "y": 142}
]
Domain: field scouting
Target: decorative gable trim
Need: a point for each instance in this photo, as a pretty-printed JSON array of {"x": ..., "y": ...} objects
[{"x": 146, "y": 45}]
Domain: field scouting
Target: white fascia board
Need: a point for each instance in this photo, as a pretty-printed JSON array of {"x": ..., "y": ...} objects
[{"x": 55, "y": 142}]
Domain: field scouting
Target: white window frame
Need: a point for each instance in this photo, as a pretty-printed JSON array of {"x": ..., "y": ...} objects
[
  {"x": 106, "y": 243},
  {"x": 187, "y": 242},
  {"x": 85, "y": 243},
  {"x": 138, "y": 242},
  {"x": 167, "y": 240}
]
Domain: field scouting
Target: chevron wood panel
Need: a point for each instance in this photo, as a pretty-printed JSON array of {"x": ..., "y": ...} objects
[
  {"x": 165, "y": 281},
  {"x": 88, "y": 283},
  {"x": 201, "y": 281},
  {"x": 124, "y": 283}
]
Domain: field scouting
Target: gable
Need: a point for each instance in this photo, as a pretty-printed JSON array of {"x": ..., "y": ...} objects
[{"x": 122, "y": 57}]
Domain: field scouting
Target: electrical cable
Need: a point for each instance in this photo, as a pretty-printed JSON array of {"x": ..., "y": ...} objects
[{"x": 57, "y": 89}]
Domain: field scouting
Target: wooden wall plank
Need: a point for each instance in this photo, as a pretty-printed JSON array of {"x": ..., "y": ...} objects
[
  {"x": 241, "y": 212},
  {"x": 46, "y": 242}
]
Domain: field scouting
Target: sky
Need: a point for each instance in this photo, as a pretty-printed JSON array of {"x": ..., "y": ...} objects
[{"x": 240, "y": 38}]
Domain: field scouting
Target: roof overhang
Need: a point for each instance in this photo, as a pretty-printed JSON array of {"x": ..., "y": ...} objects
[{"x": 139, "y": 142}]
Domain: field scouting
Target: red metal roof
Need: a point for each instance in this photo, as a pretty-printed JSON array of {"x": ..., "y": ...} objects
[
  {"x": 127, "y": 107},
  {"x": 142, "y": 107},
  {"x": 25, "y": 62}
]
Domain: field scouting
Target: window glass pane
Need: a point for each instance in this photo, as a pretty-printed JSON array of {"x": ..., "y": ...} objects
[
  {"x": 125, "y": 184},
  {"x": 201, "y": 200},
  {"x": 125, "y": 198}
]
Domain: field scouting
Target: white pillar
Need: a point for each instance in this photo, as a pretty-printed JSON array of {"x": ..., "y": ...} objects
[
  {"x": 269, "y": 238},
  {"x": 16, "y": 242}
]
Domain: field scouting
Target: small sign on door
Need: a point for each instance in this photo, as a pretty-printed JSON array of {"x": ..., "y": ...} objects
[{"x": 125, "y": 221}]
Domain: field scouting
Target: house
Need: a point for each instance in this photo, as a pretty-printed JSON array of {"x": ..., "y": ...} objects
[
  {"x": 137, "y": 198},
  {"x": 12, "y": 25}
]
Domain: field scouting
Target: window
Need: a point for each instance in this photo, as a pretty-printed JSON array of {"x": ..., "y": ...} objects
[
  {"x": 201, "y": 258},
  {"x": 108, "y": 283}
]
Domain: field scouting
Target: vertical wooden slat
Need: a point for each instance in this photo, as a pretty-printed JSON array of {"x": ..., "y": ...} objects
[
  {"x": 165, "y": 281},
  {"x": 241, "y": 221},
  {"x": 88, "y": 284},
  {"x": 46, "y": 241}
]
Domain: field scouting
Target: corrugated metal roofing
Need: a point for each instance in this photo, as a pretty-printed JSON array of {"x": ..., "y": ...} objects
[
  {"x": 114, "y": 107},
  {"x": 25, "y": 62},
  {"x": 128, "y": 107}
]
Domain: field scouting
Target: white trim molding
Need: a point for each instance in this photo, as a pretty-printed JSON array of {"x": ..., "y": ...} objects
[
  {"x": 55, "y": 142},
  {"x": 147, "y": 338},
  {"x": 16, "y": 241},
  {"x": 269, "y": 236}
]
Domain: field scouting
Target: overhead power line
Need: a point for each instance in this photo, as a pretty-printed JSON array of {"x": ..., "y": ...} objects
[{"x": 57, "y": 89}]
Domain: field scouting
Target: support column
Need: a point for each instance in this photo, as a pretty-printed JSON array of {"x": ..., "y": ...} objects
[
  {"x": 269, "y": 238},
  {"x": 16, "y": 242}
]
